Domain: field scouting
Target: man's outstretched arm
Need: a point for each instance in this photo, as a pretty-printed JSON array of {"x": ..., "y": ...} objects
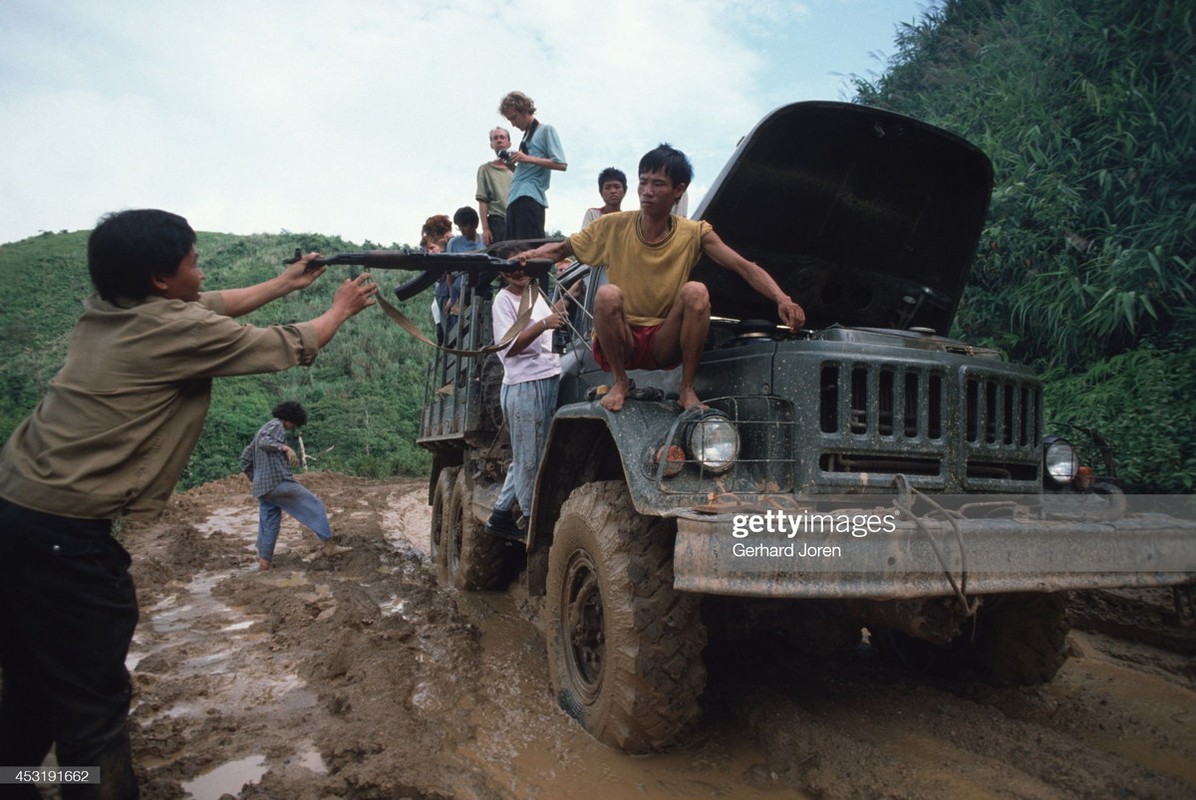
[
  {"x": 238, "y": 302},
  {"x": 791, "y": 314},
  {"x": 556, "y": 251}
]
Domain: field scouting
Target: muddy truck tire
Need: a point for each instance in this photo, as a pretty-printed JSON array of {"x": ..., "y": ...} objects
[
  {"x": 1014, "y": 640},
  {"x": 624, "y": 647},
  {"x": 1022, "y": 640},
  {"x": 441, "y": 514},
  {"x": 473, "y": 558}
]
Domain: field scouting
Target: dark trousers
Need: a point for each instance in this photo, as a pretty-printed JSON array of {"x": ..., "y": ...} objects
[
  {"x": 525, "y": 219},
  {"x": 67, "y": 613},
  {"x": 498, "y": 227}
]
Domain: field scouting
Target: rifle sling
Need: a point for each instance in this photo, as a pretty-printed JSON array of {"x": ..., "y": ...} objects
[{"x": 527, "y": 303}]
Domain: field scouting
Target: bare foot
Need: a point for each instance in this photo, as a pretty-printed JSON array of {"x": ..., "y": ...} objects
[
  {"x": 263, "y": 564},
  {"x": 614, "y": 399},
  {"x": 329, "y": 548},
  {"x": 688, "y": 398}
]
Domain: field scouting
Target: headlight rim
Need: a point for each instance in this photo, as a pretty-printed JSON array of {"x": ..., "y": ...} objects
[
  {"x": 699, "y": 426},
  {"x": 1054, "y": 464}
]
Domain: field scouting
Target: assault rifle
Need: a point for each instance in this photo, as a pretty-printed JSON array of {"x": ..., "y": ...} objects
[{"x": 430, "y": 265}]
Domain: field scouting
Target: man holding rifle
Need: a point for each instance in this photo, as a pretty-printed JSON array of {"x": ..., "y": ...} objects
[{"x": 109, "y": 441}]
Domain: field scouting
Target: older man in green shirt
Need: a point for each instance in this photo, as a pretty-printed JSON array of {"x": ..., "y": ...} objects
[{"x": 494, "y": 183}]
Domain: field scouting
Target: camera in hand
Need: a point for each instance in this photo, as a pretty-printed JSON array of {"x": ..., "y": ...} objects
[
  {"x": 560, "y": 340},
  {"x": 505, "y": 155}
]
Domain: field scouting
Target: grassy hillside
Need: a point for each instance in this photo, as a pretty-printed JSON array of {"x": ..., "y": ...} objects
[{"x": 363, "y": 393}]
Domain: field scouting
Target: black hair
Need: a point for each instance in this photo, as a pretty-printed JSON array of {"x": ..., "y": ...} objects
[
  {"x": 506, "y": 250},
  {"x": 611, "y": 174},
  {"x": 669, "y": 160},
  {"x": 466, "y": 216},
  {"x": 291, "y": 411},
  {"x": 128, "y": 248}
]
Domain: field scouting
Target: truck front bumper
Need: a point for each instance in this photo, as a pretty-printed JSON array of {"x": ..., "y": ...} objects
[{"x": 884, "y": 554}]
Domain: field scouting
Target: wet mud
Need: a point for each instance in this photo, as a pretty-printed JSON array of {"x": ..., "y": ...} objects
[{"x": 360, "y": 676}]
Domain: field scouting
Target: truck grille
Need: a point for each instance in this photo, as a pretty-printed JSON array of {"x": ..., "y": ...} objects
[
  {"x": 894, "y": 418},
  {"x": 884, "y": 402},
  {"x": 1002, "y": 428}
]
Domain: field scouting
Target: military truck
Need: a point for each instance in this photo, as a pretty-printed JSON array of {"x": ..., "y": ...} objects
[{"x": 865, "y": 473}]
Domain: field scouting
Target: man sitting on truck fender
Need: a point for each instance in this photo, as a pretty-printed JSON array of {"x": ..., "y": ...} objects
[{"x": 649, "y": 315}]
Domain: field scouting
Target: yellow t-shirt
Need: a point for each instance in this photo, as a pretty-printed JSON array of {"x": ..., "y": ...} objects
[{"x": 650, "y": 275}]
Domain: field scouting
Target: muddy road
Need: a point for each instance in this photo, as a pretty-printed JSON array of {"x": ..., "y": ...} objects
[{"x": 358, "y": 676}]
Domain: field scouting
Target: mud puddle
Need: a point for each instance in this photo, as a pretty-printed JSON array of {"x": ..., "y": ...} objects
[{"x": 528, "y": 748}]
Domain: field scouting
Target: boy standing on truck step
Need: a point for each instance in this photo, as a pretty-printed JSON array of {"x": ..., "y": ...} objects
[
  {"x": 109, "y": 441},
  {"x": 531, "y": 372},
  {"x": 469, "y": 241},
  {"x": 649, "y": 315}
]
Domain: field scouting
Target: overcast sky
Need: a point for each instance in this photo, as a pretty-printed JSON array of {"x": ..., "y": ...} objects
[{"x": 362, "y": 118}]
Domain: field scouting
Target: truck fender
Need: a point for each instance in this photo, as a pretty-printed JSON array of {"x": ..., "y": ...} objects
[
  {"x": 579, "y": 450},
  {"x": 587, "y": 443}
]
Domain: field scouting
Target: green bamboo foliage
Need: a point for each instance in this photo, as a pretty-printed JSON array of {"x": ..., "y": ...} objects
[{"x": 1088, "y": 111}]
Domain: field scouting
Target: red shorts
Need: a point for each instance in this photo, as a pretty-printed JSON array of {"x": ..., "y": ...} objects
[{"x": 641, "y": 350}]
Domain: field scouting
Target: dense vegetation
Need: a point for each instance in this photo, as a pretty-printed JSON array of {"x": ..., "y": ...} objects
[
  {"x": 363, "y": 393},
  {"x": 1087, "y": 109}
]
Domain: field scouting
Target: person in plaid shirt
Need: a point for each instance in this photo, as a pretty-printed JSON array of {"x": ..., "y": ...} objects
[{"x": 267, "y": 460}]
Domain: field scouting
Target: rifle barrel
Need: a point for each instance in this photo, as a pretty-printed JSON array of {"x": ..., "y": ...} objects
[{"x": 437, "y": 263}]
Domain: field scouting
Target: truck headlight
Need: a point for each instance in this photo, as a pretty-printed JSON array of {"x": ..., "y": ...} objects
[
  {"x": 713, "y": 442},
  {"x": 1059, "y": 458}
]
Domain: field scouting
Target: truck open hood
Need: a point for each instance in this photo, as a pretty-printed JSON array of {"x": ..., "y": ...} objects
[{"x": 865, "y": 217}]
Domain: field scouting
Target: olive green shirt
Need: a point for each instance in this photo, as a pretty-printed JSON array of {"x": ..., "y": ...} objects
[
  {"x": 119, "y": 421},
  {"x": 493, "y": 185}
]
